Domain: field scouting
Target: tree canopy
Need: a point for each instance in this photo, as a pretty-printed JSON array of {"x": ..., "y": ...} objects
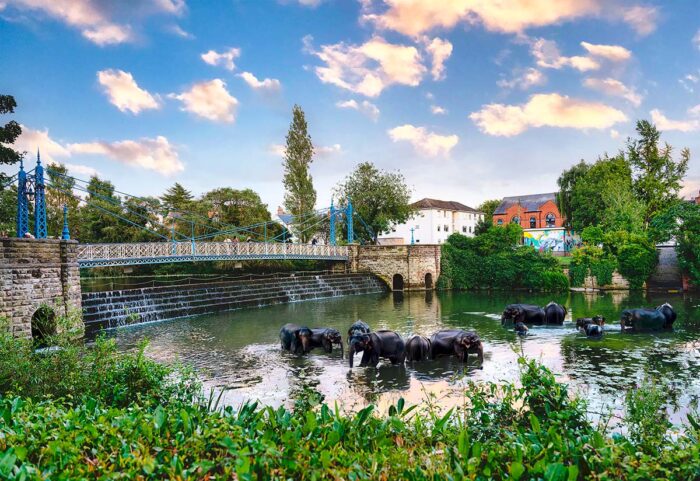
[
  {"x": 8, "y": 135},
  {"x": 380, "y": 198}
]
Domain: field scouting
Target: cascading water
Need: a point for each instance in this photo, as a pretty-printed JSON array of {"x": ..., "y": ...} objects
[{"x": 134, "y": 306}]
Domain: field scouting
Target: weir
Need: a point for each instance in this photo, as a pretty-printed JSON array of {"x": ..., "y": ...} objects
[{"x": 134, "y": 306}]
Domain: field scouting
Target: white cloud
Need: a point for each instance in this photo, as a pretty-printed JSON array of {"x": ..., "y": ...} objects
[
  {"x": 691, "y": 188},
  {"x": 547, "y": 55},
  {"x": 545, "y": 110},
  {"x": 83, "y": 170},
  {"x": 269, "y": 85},
  {"x": 688, "y": 81},
  {"x": 95, "y": 18},
  {"x": 664, "y": 123},
  {"x": 124, "y": 92},
  {"x": 209, "y": 100},
  {"x": 437, "y": 110},
  {"x": 614, "y": 134},
  {"x": 696, "y": 39},
  {"x": 223, "y": 59},
  {"x": 415, "y": 17},
  {"x": 439, "y": 50},
  {"x": 368, "y": 68},
  {"x": 156, "y": 154},
  {"x": 614, "y": 87},
  {"x": 366, "y": 107},
  {"x": 277, "y": 149},
  {"x": 30, "y": 140},
  {"x": 695, "y": 111},
  {"x": 426, "y": 143},
  {"x": 614, "y": 53},
  {"x": 180, "y": 32},
  {"x": 641, "y": 18},
  {"x": 525, "y": 80}
]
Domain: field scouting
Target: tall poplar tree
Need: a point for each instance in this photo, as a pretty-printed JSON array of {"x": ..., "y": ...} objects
[{"x": 299, "y": 195}]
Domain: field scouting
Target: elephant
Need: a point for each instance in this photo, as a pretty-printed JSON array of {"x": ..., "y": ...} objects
[
  {"x": 358, "y": 327},
  {"x": 647, "y": 319},
  {"x": 554, "y": 313},
  {"x": 325, "y": 337},
  {"x": 521, "y": 328},
  {"x": 456, "y": 341},
  {"x": 592, "y": 326},
  {"x": 378, "y": 344},
  {"x": 417, "y": 348},
  {"x": 525, "y": 313},
  {"x": 296, "y": 339}
]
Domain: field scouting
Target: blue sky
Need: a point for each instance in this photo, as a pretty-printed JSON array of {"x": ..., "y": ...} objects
[{"x": 470, "y": 99}]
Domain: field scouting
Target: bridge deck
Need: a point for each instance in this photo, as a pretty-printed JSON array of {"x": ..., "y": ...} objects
[{"x": 105, "y": 255}]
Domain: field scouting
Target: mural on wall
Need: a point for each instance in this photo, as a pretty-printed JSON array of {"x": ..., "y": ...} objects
[{"x": 551, "y": 240}]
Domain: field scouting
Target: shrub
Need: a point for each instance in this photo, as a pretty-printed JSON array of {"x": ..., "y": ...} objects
[
  {"x": 637, "y": 262},
  {"x": 592, "y": 235},
  {"x": 493, "y": 261},
  {"x": 591, "y": 260}
]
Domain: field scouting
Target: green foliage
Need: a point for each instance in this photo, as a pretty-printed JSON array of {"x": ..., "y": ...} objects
[
  {"x": 8, "y": 210},
  {"x": 73, "y": 373},
  {"x": 488, "y": 207},
  {"x": 535, "y": 430},
  {"x": 567, "y": 182},
  {"x": 494, "y": 261},
  {"x": 299, "y": 195},
  {"x": 381, "y": 198},
  {"x": 657, "y": 177},
  {"x": 592, "y": 235},
  {"x": 646, "y": 416},
  {"x": 682, "y": 222},
  {"x": 637, "y": 262},
  {"x": 8, "y": 135},
  {"x": 591, "y": 260}
]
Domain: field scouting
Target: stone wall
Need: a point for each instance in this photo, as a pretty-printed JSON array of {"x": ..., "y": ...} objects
[
  {"x": 415, "y": 264},
  {"x": 618, "y": 283},
  {"x": 35, "y": 272}
]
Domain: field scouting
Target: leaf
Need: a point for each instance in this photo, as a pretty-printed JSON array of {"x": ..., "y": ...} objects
[
  {"x": 7, "y": 462},
  {"x": 399, "y": 405},
  {"x": 555, "y": 472},
  {"x": 516, "y": 470},
  {"x": 573, "y": 472},
  {"x": 535, "y": 423},
  {"x": 159, "y": 417}
]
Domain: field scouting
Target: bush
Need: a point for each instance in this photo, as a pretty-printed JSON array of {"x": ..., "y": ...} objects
[
  {"x": 494, "y": 261},
  {"x": 72, "y": 372},
  {"x": 637, "y": 262},
  {"x": 592, "y": 235},
  {"x": 591, "y": 260}
]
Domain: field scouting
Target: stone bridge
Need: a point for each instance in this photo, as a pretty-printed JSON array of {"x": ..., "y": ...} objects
[{"x": 46, "y": 272}]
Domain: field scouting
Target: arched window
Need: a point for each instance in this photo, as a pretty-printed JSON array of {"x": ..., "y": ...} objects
[
  {"x": 550, "y": 219},
  {"x": 500, "y": 222},
  {"x": 533, "y": 222},
  {"x": 515, "y": 219}
]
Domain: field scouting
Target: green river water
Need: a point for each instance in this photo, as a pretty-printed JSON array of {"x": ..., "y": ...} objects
[{"x": 240, "y": 352}]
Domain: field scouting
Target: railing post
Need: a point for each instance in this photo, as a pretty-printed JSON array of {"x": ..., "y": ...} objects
[
  {"x": 22, "y": 204},
  {"x": 40, "y": 230},
  {"x": 348, "y": 218},
  {"x": 332, "y": 221}
]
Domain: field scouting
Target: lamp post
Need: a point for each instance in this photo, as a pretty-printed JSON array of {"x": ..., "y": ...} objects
[{"x": 65, "y": 235}]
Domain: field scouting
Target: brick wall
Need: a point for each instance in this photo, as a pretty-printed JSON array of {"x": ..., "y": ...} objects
[
  {"x": 411, "y": 262},
  {"x": 35, "y": 272},
  {"x": 540, "y": 216}
]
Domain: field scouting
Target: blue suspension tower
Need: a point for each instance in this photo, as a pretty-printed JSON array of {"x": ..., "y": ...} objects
[
  {"x": 24, "y": 191},
  {"x": 40, "y": 229}
]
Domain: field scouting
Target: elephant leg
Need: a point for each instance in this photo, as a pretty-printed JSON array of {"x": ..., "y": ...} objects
[{"x": 365, "y": 359}]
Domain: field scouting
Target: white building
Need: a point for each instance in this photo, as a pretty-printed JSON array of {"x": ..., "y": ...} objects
[{"x": 434, "y": 222}]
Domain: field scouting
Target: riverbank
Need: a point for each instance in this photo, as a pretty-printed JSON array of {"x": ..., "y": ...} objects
[{"x": 157, "y": 427}]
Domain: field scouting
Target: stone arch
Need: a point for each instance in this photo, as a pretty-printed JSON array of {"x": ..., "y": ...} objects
[
  {"x": 43, "y": 323},
  {"x": 428, "y": 280},
  {"x": 397, "y": 282}
]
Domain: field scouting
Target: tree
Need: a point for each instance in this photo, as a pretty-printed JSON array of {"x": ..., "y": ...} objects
[
  {"x": 59, "y": 192},
  {"x": 8, "y": 135},
  {"x": 142, "y": 212},
  {"x": 240, "y": 208},
  {"x": 380, "y": 198},
  {"x": 682, "y": 222},
  {"x": 177, "y": 198},
  {"x": 96, "y": 222},
  {"x": 8, "y": 210},
  {"x": 657, "y": 177},
  {"x": 567, "y": 182},
  {"x": 488, "y": 207},
  {"x": 299, "y": 195}
]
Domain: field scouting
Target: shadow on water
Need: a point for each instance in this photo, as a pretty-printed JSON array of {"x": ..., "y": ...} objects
[{"x": 240, "y": 352}]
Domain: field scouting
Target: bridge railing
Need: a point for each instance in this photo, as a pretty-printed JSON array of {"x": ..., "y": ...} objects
[{"x": 242, "y": 250}]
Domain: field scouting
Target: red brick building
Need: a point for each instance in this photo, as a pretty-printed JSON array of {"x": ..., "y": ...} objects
[{"x": 536, "y": 211}]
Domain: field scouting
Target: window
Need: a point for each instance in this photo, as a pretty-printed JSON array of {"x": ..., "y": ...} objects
[
  {"x": 447, "y": 229},
  {"x": 470, "y": 229},
  {"x": 438, "y": 228},
  {"x": 533, "y": 222},
  {"x": 464, "y": 228},
  {"x": 417, "y": 227},
  {"x": 550, "y": 219},
  {"x": 500, "y": 222},
  {"x": 515, "y": 219}
]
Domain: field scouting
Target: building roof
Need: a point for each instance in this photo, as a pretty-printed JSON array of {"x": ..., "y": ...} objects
[
  {"x": 530, "y": 203},
  {"x": 442, "y": 204}
]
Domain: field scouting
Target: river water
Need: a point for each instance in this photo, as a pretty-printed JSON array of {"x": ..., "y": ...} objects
[{"x": 239, "y": 350}]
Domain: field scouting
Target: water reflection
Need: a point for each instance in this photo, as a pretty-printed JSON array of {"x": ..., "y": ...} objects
[{"x": 239, "y": 351}]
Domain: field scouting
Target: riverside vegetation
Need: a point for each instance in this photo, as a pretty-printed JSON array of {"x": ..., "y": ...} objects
[{"x": 95, "y": 413}]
